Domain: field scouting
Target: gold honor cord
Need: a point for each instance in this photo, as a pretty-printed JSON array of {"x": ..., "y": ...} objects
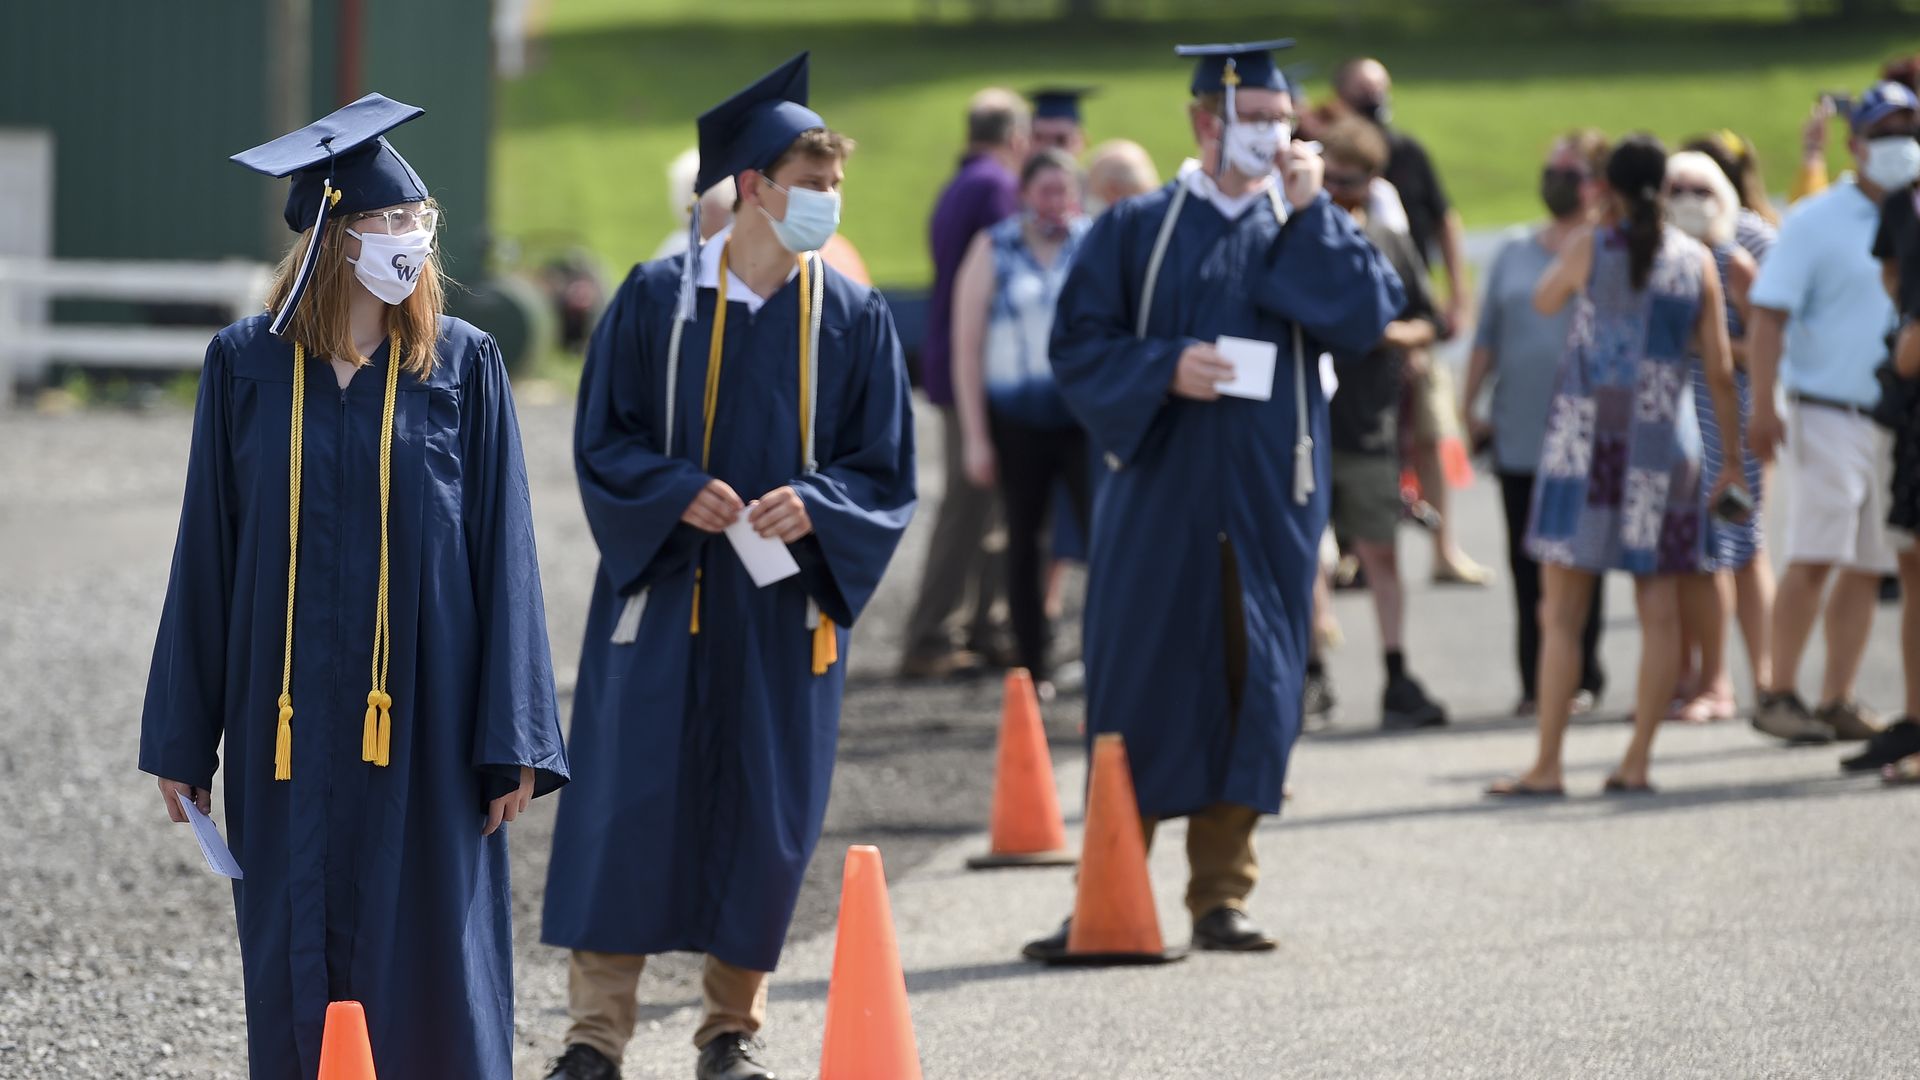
[
  {"x": 376, "y": 738},
  {"x": 376, "y": 735},
  {"x": 826, "y": 645}
]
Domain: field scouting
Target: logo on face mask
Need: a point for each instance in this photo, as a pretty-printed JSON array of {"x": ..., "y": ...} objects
[{"x": 389, "y": 266}]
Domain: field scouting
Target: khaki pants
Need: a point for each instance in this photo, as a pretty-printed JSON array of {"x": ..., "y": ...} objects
[
  {"x": 965, "y": 571},
  {"x": 1221, "y": 866},
  {"x": 603, "y": 999}
]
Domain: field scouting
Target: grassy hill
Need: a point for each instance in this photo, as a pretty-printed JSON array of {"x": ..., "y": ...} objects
[{"x": 610, "y": 97}]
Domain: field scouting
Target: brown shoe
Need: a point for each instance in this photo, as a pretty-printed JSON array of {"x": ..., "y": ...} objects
[
  {"x": 1850, "y": 720},
  {"x": 946, "y": 665}
]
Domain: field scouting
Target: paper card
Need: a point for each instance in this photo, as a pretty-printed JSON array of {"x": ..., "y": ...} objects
[
  {"x": 766, "y": 559},
  {"x": 219, "y": 859},
  {"x": 1253, "y": 363}
]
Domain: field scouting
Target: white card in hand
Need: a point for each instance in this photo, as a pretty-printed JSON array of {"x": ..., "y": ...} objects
[
  {"x": 766, "y": 559},
  {"x": 1253, "y": 363},
  {"x": 219, "y": 859}
]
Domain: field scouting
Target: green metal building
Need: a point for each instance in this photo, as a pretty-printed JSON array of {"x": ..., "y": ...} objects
[{"x": 146, "y": 99}]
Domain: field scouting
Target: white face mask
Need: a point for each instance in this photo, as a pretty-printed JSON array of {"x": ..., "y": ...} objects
[
  {"x": 389, "y": 266},
  {"x": 1892, "y": 162},
  {"x": 812, "y": 217},
  {"x": 1252, "y": 148},
  {"x": 1693, "y": 214}
]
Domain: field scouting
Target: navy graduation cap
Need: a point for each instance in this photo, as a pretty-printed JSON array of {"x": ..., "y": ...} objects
[
  {"x": 340, "y": 164},
  {"x": 749, "y": 130},
  {"x": 1223, "y": 67},
  {"x": 1059, "y": 102}
]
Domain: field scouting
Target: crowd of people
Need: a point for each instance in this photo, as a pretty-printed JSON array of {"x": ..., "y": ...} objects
[{"x": 1213, "y": 391}]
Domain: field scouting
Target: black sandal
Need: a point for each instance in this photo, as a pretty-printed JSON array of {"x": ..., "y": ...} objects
[{"x": 1617, "y": 786}]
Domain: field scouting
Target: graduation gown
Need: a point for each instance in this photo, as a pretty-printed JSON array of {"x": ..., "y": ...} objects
[
  {"x": 707, "y": 757},
  {"x": 1192, "y": 480},
  {"x": 362, "y": 882}
]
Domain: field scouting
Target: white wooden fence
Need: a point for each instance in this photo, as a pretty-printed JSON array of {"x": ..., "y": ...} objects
[{"x": 29, "y": 342}]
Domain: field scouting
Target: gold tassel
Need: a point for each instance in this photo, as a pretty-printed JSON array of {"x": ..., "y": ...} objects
[
  {"x": 283, "y": 741},
  {"x": 370, "y": 728},
  {"x": 826, "y": 646},
  {"x": 693, "y": 627},
  {"x": 384, "y": 752}
]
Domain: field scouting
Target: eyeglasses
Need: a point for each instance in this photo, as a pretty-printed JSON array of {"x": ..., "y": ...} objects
[
  {"x": 1347, "y": 181},
  {"x": 399, "y": 220}
]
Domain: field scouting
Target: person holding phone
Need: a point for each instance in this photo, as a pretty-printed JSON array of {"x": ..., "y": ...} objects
[{"x": 354, "y": 617}]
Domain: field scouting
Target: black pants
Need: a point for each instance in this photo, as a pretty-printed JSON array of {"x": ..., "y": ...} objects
[
  {"x": 1031, "y": 462},
  {"x": 1516, "y": 491}
]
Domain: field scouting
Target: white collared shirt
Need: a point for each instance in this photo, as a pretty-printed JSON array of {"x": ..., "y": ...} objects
[
  {"x": 707, "y": 274},
  {"x": 1200, "y": 183}
]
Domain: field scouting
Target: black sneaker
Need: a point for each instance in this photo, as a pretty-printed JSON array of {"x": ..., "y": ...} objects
[
  {"x": 1318, "y": 702},
  {"x": 1899, "y": 740},
  {"x": 1405, "y": 706},
  {"x": 730, "y": 1057},
  {"x": 582, "y": 1062},
  {"x": 1051, "y": 947}
]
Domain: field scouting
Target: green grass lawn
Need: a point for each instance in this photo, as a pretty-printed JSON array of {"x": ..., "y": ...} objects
[{"x": 583, "y": 139}]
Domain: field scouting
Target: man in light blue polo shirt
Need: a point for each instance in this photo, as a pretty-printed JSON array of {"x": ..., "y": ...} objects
[{"x": 1820, "y": 289}]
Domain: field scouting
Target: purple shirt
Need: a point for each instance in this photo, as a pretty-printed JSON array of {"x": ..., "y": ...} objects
[{"x": 980, "y": 195}]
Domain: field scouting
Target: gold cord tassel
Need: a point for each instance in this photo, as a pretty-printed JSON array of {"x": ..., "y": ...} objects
[
  {"x": 283, "y": 731},
  {"x": 693, "y": 625},
  {"x": 826, "y": 646},
  {"x": 376, "y": 733}
]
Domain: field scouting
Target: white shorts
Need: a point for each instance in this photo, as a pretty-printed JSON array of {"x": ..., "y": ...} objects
[{"x": 1839, "y": 474}]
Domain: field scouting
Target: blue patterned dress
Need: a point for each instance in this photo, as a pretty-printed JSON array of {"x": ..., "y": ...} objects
[
  {"x": 1731, "y": 545},
  {"x": 1619, "y": 484}
]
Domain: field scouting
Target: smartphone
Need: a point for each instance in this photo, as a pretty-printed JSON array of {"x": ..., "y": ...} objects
[
  {"x": 1734, "y": 506},
  {"x": 1841, "y": 100}
]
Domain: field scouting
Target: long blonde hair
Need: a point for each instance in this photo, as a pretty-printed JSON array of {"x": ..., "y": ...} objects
[{"x": 322, "y": 322}]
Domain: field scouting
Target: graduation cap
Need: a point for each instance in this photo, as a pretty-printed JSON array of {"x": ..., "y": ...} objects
[
  {"x": 1059, "y": 102},
  {"x": 749, "y": 130},
  {"x": 1223, "y": 67},
  {"x": 340, "y": 164}
]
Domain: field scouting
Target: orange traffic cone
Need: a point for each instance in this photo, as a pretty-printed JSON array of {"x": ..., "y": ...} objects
[
  {"x": 869, "y": 1034},
  {"x": 1114, "y": 920},
  {"x": 345, "y": 1053},
  {"x": 1026, "y": 830}
]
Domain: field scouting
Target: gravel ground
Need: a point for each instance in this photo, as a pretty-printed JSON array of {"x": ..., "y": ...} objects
[{"x": 117, "y": 952}]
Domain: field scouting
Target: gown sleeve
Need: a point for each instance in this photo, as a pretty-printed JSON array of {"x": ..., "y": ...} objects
[
  {"x": 862, "y": 495},
  {"x": 1115, "y": 383},
  {"x": 632, "y": 489},
  {"x": 182, "y": 721},
  {"x": 519, "y": 718},
  {"x": 1324, "y": 275}
]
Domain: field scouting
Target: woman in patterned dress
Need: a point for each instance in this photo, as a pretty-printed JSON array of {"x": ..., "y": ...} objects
[{"x": 1619, "y": 484}]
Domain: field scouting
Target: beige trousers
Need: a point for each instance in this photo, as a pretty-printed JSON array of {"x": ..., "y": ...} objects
[
  {"x": 1221, "y": 866},
  {"x": 603, "y": 999}
]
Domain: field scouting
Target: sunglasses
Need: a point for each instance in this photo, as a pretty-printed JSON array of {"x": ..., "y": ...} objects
[
  {"x": 1679, "y": 190},
  {"x": 1347, "y": 181}
]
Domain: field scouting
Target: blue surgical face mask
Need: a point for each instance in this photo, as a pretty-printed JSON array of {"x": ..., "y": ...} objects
[{"x": 812, "y": 217}]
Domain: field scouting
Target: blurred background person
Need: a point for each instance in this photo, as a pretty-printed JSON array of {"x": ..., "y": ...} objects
[
  {"x": 1701, "y": 202},
  {"x": 1620, "y": 484},
  {"x": 1118, "y": 169},
  {"x": 1057, "y": 123},
  {"x": 1518, "y": 350},
  {"x": 1818, "y": 327},
  {"x": 964, "y": 574},
  {"x": 1017, "y": 433},
  {"x": 1756, "y": 223},
  {"x": 1365, "y": 88},
  {"x": 1364, "y": 420},
  {"x": 1812, "y": 178}
]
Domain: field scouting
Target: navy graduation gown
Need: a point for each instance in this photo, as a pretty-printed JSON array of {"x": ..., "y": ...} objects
[
  {"x": 364, "y": 883},
  {"x": 707, "y": 758},
  {"x": 1195, "y": 478}
]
